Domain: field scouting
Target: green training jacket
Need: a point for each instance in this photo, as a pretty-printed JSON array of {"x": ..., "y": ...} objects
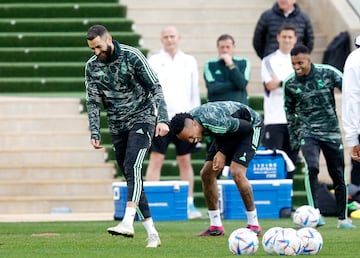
[
  {"x": 310, "y": 104},
  {"x": 225, "y": 84},
  {"x": 128, "y": 89}
]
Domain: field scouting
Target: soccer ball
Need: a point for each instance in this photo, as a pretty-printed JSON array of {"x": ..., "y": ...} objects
[
  {"x": 243, "y": 241},
  {"x": 306, "y": 216},
  {"x": 311, "y": 239},
  {"x": 287, "y": 242},
  {"x": 268, "y": 239}
]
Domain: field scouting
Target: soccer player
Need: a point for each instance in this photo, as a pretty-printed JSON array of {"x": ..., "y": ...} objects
[
  {"x": 236, "y": 130},
  {"x": 313, "y": 125},
  {"x": 119, "y": 77}
]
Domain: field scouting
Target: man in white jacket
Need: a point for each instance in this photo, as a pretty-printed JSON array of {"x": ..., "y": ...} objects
[
  {"x": 275, "y": 68},
  {"x": 351, "y": 108},
  {"x": 179, "y": 78}
]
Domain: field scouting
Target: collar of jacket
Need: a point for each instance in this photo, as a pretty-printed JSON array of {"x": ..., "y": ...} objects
[
  {"x": 307, "y": 77},
  {"x": 278, "y": 11}
]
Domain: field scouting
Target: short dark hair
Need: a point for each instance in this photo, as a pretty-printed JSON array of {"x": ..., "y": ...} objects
[
  {"x": 300, "y": 49},
  {"x": 177, "y": 123},
  {"x": 225, "y": 37},
  {"x": 96, "y": 30},
  {"x": 287, "y": 26}
]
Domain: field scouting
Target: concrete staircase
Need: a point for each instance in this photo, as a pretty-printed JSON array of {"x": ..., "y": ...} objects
[
  {"x": 200, "y": 22},
  {"x": 46, "y": 161}
]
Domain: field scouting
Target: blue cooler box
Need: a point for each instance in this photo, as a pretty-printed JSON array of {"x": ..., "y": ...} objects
[
  {"x": 266, "y": 166},
  {"x": 271, "y": 197},
  {"x": 167, "y": 199}
]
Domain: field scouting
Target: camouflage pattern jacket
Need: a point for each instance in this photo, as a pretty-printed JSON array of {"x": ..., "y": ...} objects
[
  {"x": 128, "y": 89},
  {"x": 225, "y": 119},
  {"x": 310, "y": 104}
]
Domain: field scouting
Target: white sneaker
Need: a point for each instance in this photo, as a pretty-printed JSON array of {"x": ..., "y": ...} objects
[
  {"x": 153, "y": 241},
  {"x": 346, "y": 224},
  {"x": 193, "y": 212},
  {"x": 122, "y": 230}
]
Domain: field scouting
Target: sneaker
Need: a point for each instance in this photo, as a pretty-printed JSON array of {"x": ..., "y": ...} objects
[
  {"x": 353, "y": 206},
  {"x": 193, "y": 212},
  {"x": 345, "y": 224},
  {"x": 255, "y": 229},
  {"x": 122, "y": 230},
  {"x": 321, "y": 221},
  {"x": 213, "y": 231},
  {"x": 153, "y": 241},
  {"x": 356, "y": 204}
]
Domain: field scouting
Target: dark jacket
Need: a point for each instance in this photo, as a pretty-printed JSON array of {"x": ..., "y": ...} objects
[{"x": 267, "y": 27}]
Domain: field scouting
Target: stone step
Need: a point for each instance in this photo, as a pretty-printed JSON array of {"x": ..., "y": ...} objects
[
  {"x": 203, "y": 28},
  {"x": 205, "y": 55},
  {"x": 202, "y": 42},
  {"x": 57, "y": 171},
  {"x": 40, "y": 123},
  {"x": 47, "y": 139},
  {"x": 51, "y": 156},
  {"x": 47, "y": 162},
  {"x": 191, "y": 3},
  {"x": 194, "y": 12},
  {"x": 65, "y": 187},
  {"x": 57, "y": 204},
  {"x": 24, "y": 106},
  {"x": 201, "y": 22}
]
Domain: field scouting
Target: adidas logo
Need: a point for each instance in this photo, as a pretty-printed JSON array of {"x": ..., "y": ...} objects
[
  {"x": 243, "y": 158},
  {"x": 140, "y": 131}
]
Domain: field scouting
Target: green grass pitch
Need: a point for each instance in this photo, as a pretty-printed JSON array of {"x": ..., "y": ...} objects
[{"x": 90, "y": 239}]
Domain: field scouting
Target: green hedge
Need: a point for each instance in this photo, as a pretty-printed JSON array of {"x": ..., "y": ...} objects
[
  {"x": 256, "y": 102},
  {"x": 56, "y": 39},
  {"x": 117, "y": 24},
  {"x": 43, "y": 45},
  {"x": 47, "y": 55},
  {"x": 8, "y": 2},
  {"x": 43, "y": 10},
  {"x": 29, "y": 84},
  {"x": 42, "y": 69}
]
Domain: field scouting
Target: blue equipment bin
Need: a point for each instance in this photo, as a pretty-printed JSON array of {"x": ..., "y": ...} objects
[
  {"x": 167, "y": 199},
  {"x": 270, "y": 196}
]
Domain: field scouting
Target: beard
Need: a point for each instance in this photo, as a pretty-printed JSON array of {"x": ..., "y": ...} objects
[{"x": 105, "y": 55}]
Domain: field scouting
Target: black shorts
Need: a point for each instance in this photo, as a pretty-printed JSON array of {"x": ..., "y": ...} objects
[
  {"x": 241, "y": 148},
  {"x": 161, "y": 143}
]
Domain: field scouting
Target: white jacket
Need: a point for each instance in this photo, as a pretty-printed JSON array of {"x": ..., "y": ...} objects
[
  {"x": 277, "y": 64},
  {"x": 351, "y": 98},
  {"x": 179, "y": 79}
]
